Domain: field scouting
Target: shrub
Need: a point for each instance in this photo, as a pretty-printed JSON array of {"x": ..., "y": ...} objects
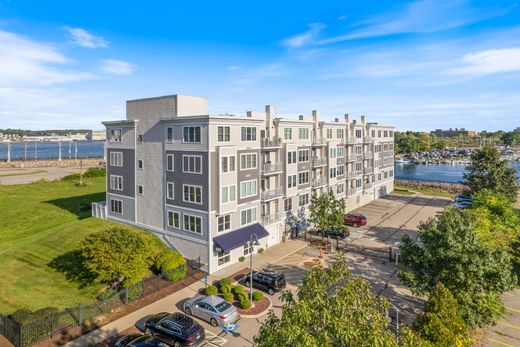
[
  {"x": 260, "y": 250},
  {"x": 257, "y": 296},
  {"x": 89, "y": 173},
  {"x": 225, "y": 289},
  {"x": 239, "y": 289},
  {"x": 106, "y": 294},
  {"x": 241, "y": 296},
  {"x": 225, "y": 282},
  {"x": 211, "y": 290},
  {"x": 171, "y": 264},
  {"x": 245, "y": 304},
  {"x": 228, "y": 297},
  {"x": 22, "y": 316},
  {"x": 43, "y": 319},
  {"x": 135, "y": 291},
  {"x": 241, "y": 259}
]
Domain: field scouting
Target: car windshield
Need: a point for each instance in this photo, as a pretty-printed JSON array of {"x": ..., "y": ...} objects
[{"x": 222, "y": 306}]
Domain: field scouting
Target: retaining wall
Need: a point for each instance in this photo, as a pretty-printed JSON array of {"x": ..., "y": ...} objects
[{"x": 52, "y": 163}]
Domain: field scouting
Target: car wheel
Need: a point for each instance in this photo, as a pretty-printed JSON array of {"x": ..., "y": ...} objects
[
  {"x": 270, "y": 291},
  {"x": 213, "y": 322},
  {"x": 355, "y": 225},
  {"x": 247, "y": 283},
  {"x": 188, "y": 311}
]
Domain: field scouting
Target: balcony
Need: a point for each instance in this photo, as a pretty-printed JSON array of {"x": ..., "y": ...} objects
[
  {"x": 272, "y": 168},
  {"x": 319, "y": 182},
  {"x": 369, "y": 170},
  {"x": 271, "y": 144},
  {"x": 353, "y": 174},
  {"x": 273, "y": 218},
  {"x": 351, "y": 158},
  {"x": 350, "y": 141},
  {"x": 367, "y": 139},
  {"x": 319, "y": 141},
  {"x": 369, "y": 155},
  {"x": 353, "y": 191},
  {"x": 321, "y": 161},
  {"x": 270, "y": 194}
]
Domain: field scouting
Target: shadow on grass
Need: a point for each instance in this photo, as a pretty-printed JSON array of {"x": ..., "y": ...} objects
[
  {"x": 71, "y": 264},
  {"x": 78, "y": 205}
]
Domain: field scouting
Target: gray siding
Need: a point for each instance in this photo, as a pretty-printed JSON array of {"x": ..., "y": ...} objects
[
  {"x": 247, "y": 175},
  {"x": 127, "y": 171},
  {"x": 128, "y": 208},
  {"x": 179, "y": 178}
]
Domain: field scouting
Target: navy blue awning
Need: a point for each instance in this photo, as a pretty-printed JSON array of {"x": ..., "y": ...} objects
[{"x": 238, "y": 238}]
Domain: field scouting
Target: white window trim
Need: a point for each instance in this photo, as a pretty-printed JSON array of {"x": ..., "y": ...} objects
[
  {"x": 192, "y": 126},
  {"x": 142, "y": 162},
  {"x": 228, "y": 161},
  {"x": 111, "y": 161},
  {"x": 229, "y": 201},
  {"x": 168, "y": 140},
  {"x": 168, "y": 219},
  {"x": 230, "y": 223},
  {"x": 249, "y": 168},
  {"x": 192, "y": 172},
  {"x": 252, "y": 221},
  {"x": 142, "y": 187},
  {"x": 173, "y": 162},
  {"x": 245, "y": 182},
  {"x": 121, "y": 201},
  {"x": 192, "y": 202},
  {"x": 308, "y": 155},
  {"x": 168, "y": 189},
  {"x": 111, "y": 139},
  {"x": 184, "y": 224},
  {"x": 223, "y": 134},
  {"x": 122, "y": 183},
  {"x": 308, "y": 177}
]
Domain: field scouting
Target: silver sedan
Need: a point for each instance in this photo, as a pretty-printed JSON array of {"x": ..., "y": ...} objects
[{"x": 212, "y": 309}]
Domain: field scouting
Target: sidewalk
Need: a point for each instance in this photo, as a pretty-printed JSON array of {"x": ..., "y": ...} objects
[{"x": 271, "y": 256}]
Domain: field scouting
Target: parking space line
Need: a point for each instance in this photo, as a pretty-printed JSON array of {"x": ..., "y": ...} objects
[
  {"x": 509, "y": 325},
  {"x": 512, "y": 309},
  {"x": 500, "y": 342},
  {"x": 214, "y": 340}
]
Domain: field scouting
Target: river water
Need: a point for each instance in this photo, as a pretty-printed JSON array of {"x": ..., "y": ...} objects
[
  {"x": 437, "y": 172},
  {"x": 50, "y": 150}
]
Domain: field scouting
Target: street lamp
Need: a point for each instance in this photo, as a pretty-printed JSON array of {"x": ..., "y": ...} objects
[{"x": 251, "y": 265}]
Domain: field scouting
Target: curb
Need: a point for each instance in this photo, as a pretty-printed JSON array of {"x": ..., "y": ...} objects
[{"x": 253, "y": 316}]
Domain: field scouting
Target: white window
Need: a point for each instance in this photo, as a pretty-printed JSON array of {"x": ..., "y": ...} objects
[
  {"x": 385, "y": 147},
  {"x": 248, "y": 248},
  {"x": 291, "y": 157},
  {"x": 139, "y": 189},
  {"x": 248, "y": 216},
  {"x": 116, "y": 182},
  {"x": 332, "y": 152},
  {"x": 191, "y": 134},
  {"x": 169, "y": 162},
  {"x": 116, "y": 158},
  {"x": 391, "y": 133},
  {"x": 340, "y": 133},
  {"x": 248, "y": 161},
  {"x": 174, "y": 219},
  {"x": 340, "y": 170},
  {"x": 287, "y": 133},
  {"x": 359, "y": 133},
  {"x": 303, "y": 133},
  {"x": 303, "y": 177},
  {"x": 224, "y": 223},
  {"x": 358, "y": 149},
  {"x": 291, "y": 181},
  {"x": 287, "y": 204},
  {"x": 359, "y": 182},
  {"x": 248, "y": 133},
  {"x": 227, "y": 164},
  {"x": 169, "y": 135},
  {"x": 223, "y": 134},
  {"x": 115, "y": 135},
  {"x": 332, "y": 172},
  {"x": 116, "y": 206},
  {"x": 140, "y": 163},
  {"x": 248, "y": 188},
  {"x": 359, "y": 166},
  {"x": 386, "y": 133},
  {"x": 192, "y": 164},
  {"x": 223, "y": 257},
  {"x": 192, "y": 223},
  {"x": 340, "y": 152},
  {"x": 170, "y": 191},
  {"x": 303, "y": 155},
  {"x": 192, "y": 194},
  {"x": 329, "y": 133},
  {"x": 228, "y": 194},
  {"x": 340, "y": 188},
  {"x": 303, "y": 199}
]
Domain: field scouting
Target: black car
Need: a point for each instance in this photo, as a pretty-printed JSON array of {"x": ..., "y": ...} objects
[
  {"x": 333, "y": 234},
  {"x": 138, "y": 340},
  {"x": 268, "y": 281},
  {"x": 175, "y": 329}
]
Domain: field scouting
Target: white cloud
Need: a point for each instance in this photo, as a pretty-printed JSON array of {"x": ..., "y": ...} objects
[
  {"x": 83, "y": 38},
  {"x": 304, "y": 38},
  {"x": 25, "y": 62},
  {"x": 234, "y": 68},
  {"x": 490, "y": 61},
  {"x": 116, "y": 67}
]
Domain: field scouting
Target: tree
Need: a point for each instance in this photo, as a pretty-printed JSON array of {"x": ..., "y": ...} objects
[
  {"x": 327, "y": 212},
  {"x": 441, "y": 322},
  {"x": 488, "y": 171},
  {"x": 333, "y": 308},
  {"x": 511, "y": 138},
  {"x": 450, "y": 252},
  {"x": 117, "y": 253}
]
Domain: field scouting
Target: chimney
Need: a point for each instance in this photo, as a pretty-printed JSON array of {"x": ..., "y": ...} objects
[
  {"x": 300, "y": 117},
  {"x": 347, "y": 118},
  {"x": 315, "y": 116},
  {"x": 336, "y": 120},
  {"x": 362, "y": 119},
  {"x": 249, "y": 114}
]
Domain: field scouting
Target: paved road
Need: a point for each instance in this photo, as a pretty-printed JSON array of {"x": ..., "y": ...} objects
[{"x": 507, "y": 332}]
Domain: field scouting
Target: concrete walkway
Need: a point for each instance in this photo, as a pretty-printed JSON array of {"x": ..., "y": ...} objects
[{"x": 169, "y": 304}]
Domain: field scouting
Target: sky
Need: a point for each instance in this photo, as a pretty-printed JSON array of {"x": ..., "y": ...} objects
[{"x": 418, "y": 65}]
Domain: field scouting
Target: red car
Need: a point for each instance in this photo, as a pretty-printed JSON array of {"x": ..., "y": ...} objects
[{"x": 355, "y": 220}]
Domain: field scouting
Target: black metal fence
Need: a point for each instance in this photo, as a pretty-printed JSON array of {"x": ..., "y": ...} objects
[{"x": 38, "y": 328}]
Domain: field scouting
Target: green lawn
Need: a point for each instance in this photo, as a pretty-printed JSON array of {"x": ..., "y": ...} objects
[
  {"x": 430, "y": 192},
  {"x": 40, "y": 226}
]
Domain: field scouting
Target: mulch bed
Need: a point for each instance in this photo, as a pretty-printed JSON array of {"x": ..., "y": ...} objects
[
  {"x": 73, "y": 333},
  {"x": 260, "y": 306}
]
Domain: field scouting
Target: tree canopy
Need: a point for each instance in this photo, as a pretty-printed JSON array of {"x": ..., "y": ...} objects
[
  {"x": 333, "y": 308},
  {"x": 488, "y": 171},
  {"x": 327, "y": 212},
  {"x": 450, "y": 252}
]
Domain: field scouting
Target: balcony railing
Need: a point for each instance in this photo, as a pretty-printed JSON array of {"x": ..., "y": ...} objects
[
  {"x": 273, "y": 217},
  {"x": 319, "y": 141},
  {"x": 351, "y": 158},
  {"x": 352, "y": 191},
  {"x": 99, "y": 209},
  {"x": 272, "y": 168},
  {"x": 350, "y": 140},
  {"x": 319, "y": 161},
  {"x": 352, "y": 174},
  {"x": 369, "y": 155},
  {"x": 269, "y": 144},
  {"x": 318, "y": 182},
  {"x": 369, "y": 170},
  {"x": 269, "y": 194}
]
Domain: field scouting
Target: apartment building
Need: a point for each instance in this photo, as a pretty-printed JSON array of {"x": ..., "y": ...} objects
[{"x": 207, "y": 185}]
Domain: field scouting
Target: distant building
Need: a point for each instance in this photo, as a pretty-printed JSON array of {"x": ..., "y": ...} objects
[
  {"x": 97, "y": 135},
  {"x": 454, "y": 132},
  {"x": 517, "y": 130}
]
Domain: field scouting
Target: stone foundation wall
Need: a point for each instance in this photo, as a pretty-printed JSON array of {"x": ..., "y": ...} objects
[
  {"x": 438, "y": 186},
  {"x": 52, "y": 163}
]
